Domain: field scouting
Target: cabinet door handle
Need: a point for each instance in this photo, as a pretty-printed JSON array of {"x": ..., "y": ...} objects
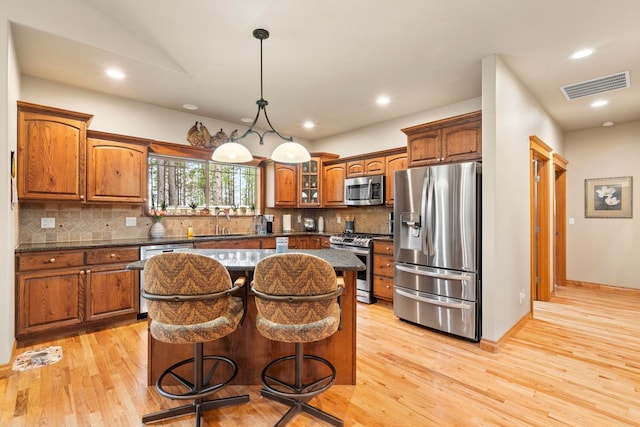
[
  {"x": 388, "y": 265},
  {"x": 52, "y": 260},
  {"x": 113, "y": 255},
  {"x": 88, "y": 271},
  {"x": 82, "y": 197}
]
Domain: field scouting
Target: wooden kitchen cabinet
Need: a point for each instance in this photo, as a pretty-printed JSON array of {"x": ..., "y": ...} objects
[
  {"x": 51, "y": 153},
  {"x": 449, "y": 140},
  {"x": 333, "y": 184},
  {"x": 383, "y": 268},
  {"x": 116, "y": 168},
  {"x": 62, "y": 291},
  {"x": 393, "y": 163},
  {"x": 364, "y": 167},
  {"x": 309, "y": 183},
  {"x": 59, "y": 159}
]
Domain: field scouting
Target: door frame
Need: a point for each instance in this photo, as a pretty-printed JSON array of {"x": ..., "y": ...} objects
[
  {"x": 560, "y": 221},
  {"x": 540, "y": 208}
]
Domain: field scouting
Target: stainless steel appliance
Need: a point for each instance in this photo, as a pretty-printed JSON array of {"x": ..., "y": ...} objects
[
  {"x": 362, "y": 246},
  {"x": 364, "y": 191},
  {"x": 147, "y": 252},
  {"x": 309, "y": 224},
  {"x": 436, "y": 240}
]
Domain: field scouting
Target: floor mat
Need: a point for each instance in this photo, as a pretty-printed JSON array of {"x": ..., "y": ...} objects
[{"x": 37, "y": 358}]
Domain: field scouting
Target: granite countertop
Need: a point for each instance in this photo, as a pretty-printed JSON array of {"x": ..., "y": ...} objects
[
  {"x": 92, "y": 244},
  {"x": 246, "y": 259}
]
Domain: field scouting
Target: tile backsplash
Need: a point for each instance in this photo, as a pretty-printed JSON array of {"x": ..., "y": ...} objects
[{"x": 108, "y": 222}]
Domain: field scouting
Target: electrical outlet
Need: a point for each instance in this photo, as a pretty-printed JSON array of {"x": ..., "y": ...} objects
[
  {"x": 339, "y": 219},
  {"x": 522, "y": 296},
  {"x": 47, "y": 223},
  {"x": 130, "y": 221}
]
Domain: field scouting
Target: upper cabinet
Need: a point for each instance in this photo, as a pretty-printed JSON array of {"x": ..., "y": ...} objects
[
  {"x": 51, "y": 153},
  {"x": 116, "y": 168},
  {"x": 393, "y": 163},
  {"x": 364, "y": 167},
  {"x": 58, "y": 159},
  {"x": 296, "y": 185},
  {"x": 333, "y": 184},
  {"x": 449, "y": 140}
]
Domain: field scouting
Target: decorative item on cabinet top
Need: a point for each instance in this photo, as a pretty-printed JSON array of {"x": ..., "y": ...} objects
[{"x": 199, "y": 136}]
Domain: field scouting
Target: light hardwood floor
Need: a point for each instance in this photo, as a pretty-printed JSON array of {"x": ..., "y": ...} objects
[{"x": 576, "y": 363}]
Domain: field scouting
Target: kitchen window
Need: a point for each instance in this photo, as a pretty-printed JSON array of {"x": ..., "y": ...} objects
[{"x": 187, "y": 185}]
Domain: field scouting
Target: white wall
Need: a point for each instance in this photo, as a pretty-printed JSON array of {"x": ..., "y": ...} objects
[
  {"x": 601, "y": 250},
  {"x": 126, "y": 117},
  {"x": 9, "y": 82},
  {"x": 510, "y": 115},
  {"x": 386, "y": 135}
]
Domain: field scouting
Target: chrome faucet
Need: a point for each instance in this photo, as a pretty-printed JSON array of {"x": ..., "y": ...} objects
[{"x": 218, "y": 220}]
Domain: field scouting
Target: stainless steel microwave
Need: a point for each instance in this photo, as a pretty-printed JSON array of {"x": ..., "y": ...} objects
[{"x": 364, "y": 191}]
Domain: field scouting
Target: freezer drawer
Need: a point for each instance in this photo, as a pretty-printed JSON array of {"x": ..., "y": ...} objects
[
  {"x": 449, "y": 315},
  {"x": 438, "y": 281}
]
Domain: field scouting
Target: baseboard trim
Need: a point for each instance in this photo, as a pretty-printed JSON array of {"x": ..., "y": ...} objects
[
  {"x": 5, "y": 369},
  {"x": 495, "y": 346},
  {"x": 604, "y": 288}
]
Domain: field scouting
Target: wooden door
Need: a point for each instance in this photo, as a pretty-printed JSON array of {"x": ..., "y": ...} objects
[
  {"x": 51, "y": 157},
  {"x": 117, "y": 172},
  {"x": 394, "y": 163},
  {"x": 286, "y": 185},
  {"x": 333, "y": 185}
]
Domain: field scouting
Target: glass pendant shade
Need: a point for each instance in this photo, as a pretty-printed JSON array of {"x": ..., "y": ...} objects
[
  {"x": 232, "y": 152},
  {"x": 290, "y": 152}
]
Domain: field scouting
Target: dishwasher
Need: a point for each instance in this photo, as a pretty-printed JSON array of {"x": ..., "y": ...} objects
[{"x": 147, "y": 252}]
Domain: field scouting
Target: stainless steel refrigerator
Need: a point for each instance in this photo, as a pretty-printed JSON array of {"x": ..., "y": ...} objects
[{"x": 436, "y": 238}]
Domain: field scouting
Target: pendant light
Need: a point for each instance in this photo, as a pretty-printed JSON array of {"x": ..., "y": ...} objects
[{"x": 287, "y": 152}]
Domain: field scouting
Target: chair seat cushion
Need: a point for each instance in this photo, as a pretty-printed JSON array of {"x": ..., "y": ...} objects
[
  {"x": 200, "y": 332},
  {"x": 299, "y": 333}
]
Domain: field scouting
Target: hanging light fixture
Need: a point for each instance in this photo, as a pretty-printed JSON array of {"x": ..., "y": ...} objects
[{"x": 287, "y": 152}]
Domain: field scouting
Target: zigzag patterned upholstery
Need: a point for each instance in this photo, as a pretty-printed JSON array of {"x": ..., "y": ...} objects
[
  {"x": 190, "y": 321},
  {"x": 298, "y": 275}
]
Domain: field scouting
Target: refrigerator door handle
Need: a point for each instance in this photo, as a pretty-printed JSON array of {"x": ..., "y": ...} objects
[
  {"x": 448, "y": 276},
  {"x": 427, "y": 243},
  {"x": 461, "y": 306}
]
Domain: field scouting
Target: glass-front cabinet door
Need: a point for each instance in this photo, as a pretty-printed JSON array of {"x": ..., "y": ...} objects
[{"x": 310, "y": 183}]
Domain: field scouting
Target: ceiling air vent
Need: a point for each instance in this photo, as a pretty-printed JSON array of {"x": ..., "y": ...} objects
[{"x": 595, "y": 86}]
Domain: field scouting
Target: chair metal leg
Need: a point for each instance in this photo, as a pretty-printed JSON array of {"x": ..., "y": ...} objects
[
  {"x": 299, "y": 394},
  {"x": 198, "y": 390}
]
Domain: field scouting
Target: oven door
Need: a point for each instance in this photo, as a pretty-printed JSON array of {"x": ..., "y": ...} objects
[{"x": 364, "y": 282}]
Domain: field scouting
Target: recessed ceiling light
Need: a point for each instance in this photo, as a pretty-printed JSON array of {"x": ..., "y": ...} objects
[
  {"x": 246, "y": 120},
  {"x": 308, "y": 125},
  {"x": 608, "y": 124},
  {"x": 190, "y": 107},
  {"x": 599, "y": 103},
  {"x": 383, "y": 100},
  {"x": 114, "y": 73},
  {"x": 581, "y": 54}
]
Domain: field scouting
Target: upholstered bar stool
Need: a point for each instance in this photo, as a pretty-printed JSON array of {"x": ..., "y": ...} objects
[
  {"x": 298, "y": 301},
  {"x": 191, "y": 302}
]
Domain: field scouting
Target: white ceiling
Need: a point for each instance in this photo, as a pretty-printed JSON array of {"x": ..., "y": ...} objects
[{"x": 328, "y": 60}]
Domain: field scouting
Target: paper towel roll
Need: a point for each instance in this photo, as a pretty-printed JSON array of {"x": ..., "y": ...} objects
[{"x": 286, "y": 223}]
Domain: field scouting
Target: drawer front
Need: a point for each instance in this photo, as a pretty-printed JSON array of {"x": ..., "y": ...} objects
[
  {"x": 112, "y": 255},
  {"x": 383, "y": 266},
  {"x": 383, "y": 287},
  {"x": 46, "y": 260},
  {"x": 383, "y": 248}
]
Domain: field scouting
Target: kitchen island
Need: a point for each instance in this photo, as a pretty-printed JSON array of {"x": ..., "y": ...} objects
[{"x": 250, "y": 350}]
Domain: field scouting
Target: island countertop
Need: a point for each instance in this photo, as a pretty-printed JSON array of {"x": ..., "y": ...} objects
[{"x": 246, "y": 259}]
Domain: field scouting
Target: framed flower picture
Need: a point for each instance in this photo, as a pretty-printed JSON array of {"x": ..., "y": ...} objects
[{"x": 608, "y": 197}]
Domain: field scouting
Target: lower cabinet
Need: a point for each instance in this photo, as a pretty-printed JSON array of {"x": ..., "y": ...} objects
[
  {"x": 63, "y": 291},
  {"x": 383, "y": 270},
  {"x": 229, "y": 244}
]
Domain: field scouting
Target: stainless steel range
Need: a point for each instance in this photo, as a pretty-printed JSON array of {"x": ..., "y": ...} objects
[{"x": 362, "y": 246}]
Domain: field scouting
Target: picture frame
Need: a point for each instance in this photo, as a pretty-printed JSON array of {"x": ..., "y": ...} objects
[{"x": 608, "y": 197}]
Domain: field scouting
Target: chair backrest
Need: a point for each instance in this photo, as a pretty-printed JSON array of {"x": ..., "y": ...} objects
[
  {"x": 186, "y": 274},
  {"x": 294, "y": 274}
]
